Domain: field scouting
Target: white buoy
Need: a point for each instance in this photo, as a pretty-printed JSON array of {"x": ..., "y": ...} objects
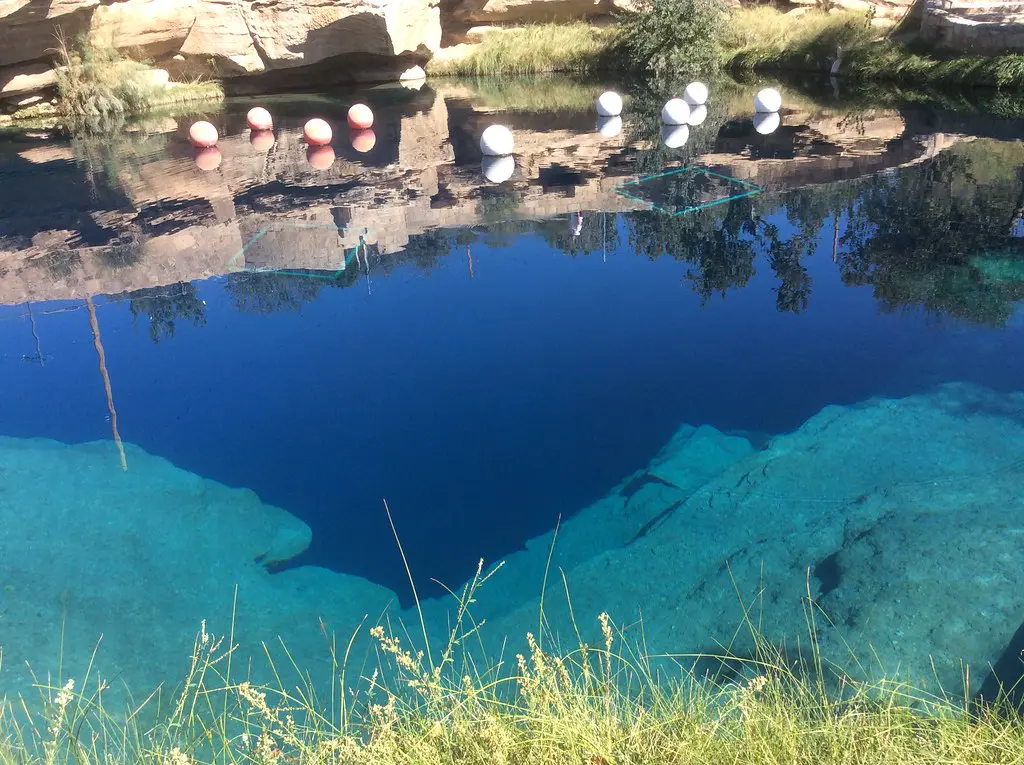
[
  {"x": 675, "y": 112},
  {"x": 767, "y": 100},
  {"x": 674, "y": 136},
  {"x": 498, "y": 169},
  {"x": 696, "y": 94},
  {"x": 609, "y": 104},
  {"x": 767, "y": 123},
  {"x": 496, "y": 141},
  {"x": 698, "y": 114},
  {"x": 609, "y": 127}
]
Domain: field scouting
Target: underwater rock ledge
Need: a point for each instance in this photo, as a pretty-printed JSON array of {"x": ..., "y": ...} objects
[
  {"x": 901, "y": 519},
  {"x": 914, "y": 503}
]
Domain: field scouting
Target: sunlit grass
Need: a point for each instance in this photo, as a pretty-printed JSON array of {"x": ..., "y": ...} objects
[
  {"x": 598, "y": 704},
  {"x": 535, "y": 49},
  {"x": 765, "y": 39}
]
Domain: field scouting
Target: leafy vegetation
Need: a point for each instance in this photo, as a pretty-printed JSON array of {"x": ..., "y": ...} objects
[
  {"x": 98, "y": 88},
  {"x": 672, "y": 38},
  {"x": 765, "y": 39}
]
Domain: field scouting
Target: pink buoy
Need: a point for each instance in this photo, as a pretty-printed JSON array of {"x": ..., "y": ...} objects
[
  {"x": 320, "y": 157},
  {"x": 363, "y": 140},
  {"x": 208, "y": 158},
  {"x": 317, "y": 132},
  {"x": 202, "y": 134},
  {"x": 262, "y": 140},
  {"x": 360, "y": 117},
  {"x": 259, "y": 119}
]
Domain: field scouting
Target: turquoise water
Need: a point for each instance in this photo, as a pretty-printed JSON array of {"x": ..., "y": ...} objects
[{"x": 790, "y": 371}]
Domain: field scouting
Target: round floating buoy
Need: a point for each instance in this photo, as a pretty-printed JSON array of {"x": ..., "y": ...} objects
[
  {"x": 767, "y": 123},
  {"x": 360, "y": 117},
  {"x": 259, "y": 119},
  {"x": 675, "y": 112},
  {"x": 696, "y": 94},
  {"x": 320, "y": 157},
  {"x": 674, "y": 136},
  {"x": 208, "y": 158},
  {"x": 698, "y": 114},
  {"x": 609, "y": 104},
  {"x": 767, "y": 100},
  {"x": 363, "y": 140},
  {"x": 262, "y": 140},
  {"x": 609, "y": 127},
  {"x": 498, "y": 169},
  {"x": 497, "y": 141},
  {"x": 202, "y": 134},
  {"x": 317, "y": 132}
]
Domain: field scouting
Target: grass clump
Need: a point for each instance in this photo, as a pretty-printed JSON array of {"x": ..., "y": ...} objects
[
  {"x": 606, "y": 703},
  {"x": 536, "y": 49},
  {"x": 762, "y": 39},
  {"x": 97, "y": 86}
]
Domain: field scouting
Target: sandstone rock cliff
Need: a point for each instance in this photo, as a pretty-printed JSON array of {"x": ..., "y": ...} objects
[{"x": 355, "y": 39}]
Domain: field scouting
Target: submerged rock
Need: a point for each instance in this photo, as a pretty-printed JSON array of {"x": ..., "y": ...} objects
[
  {"x": 913, "y": 505},
  {"x": 135, "y": 561}
]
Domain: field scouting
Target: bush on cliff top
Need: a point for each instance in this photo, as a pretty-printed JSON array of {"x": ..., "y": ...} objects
[
  {"x": 671, "y": 38},
  {"x": 98, "y": 88}
]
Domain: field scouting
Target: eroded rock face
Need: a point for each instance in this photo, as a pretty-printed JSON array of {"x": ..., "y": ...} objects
[
  {"x": 28, "y": 28},
  {"x": 224, "y": 38}
]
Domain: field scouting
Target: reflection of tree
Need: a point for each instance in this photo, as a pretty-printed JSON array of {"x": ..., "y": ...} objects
[
  {"x": 717, "y": 241},
  {"x": 598, "y": 233},
  {"x": 163, "y": 306},
  {"x": 497, "y": 210},
  {"x": 914, "y": 238},
  {"x": 426, "y": 250},
  {"x": 271, "y": 291}
]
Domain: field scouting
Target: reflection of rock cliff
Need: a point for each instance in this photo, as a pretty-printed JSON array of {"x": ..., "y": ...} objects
[{"x": 161, "y": 220}]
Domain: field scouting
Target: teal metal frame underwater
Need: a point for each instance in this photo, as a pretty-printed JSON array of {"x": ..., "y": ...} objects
[
  {"x": 753, "y": 188},
  {"x": 233, "y": 263}
]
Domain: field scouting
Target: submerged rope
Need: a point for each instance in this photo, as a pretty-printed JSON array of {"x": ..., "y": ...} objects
[{"x": 106, "y": 379}]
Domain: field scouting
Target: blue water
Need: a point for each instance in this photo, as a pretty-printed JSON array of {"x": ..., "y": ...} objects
[
  {"x": 485, "y": 399},
  {"x": 484, "y": 407}
]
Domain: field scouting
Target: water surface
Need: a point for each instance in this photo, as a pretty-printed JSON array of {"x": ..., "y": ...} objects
[{"x": 490, "y": 358}]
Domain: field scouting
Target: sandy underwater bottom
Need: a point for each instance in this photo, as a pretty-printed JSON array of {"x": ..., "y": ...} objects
[{"x": 902, "y": 519}]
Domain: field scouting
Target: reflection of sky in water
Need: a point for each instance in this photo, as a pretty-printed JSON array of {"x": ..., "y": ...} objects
[
  {"x": 472, "y": 341},
  {"x": 482, "y": 406},
  {"x": 490, "y": 382}
]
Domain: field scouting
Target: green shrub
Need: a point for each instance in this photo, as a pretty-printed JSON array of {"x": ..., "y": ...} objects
[
  {"x": 98, "y": 83},
  {"x": 670, "y": 38},
  {"x": 98, "y": 88}
]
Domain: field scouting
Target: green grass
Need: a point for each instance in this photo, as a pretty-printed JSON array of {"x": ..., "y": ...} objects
[
  {"x": 762, "y": 39},
  {"x": 604, "y": 704},
  {"x": 98, "y": 88},
  {"x": 755, "y": 39},
  {"x": 578, "y": 47}
]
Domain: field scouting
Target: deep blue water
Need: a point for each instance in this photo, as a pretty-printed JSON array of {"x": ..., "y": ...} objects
[
  {"x": 484, "y": 405},
  {"x": 481, "y": 408}
]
